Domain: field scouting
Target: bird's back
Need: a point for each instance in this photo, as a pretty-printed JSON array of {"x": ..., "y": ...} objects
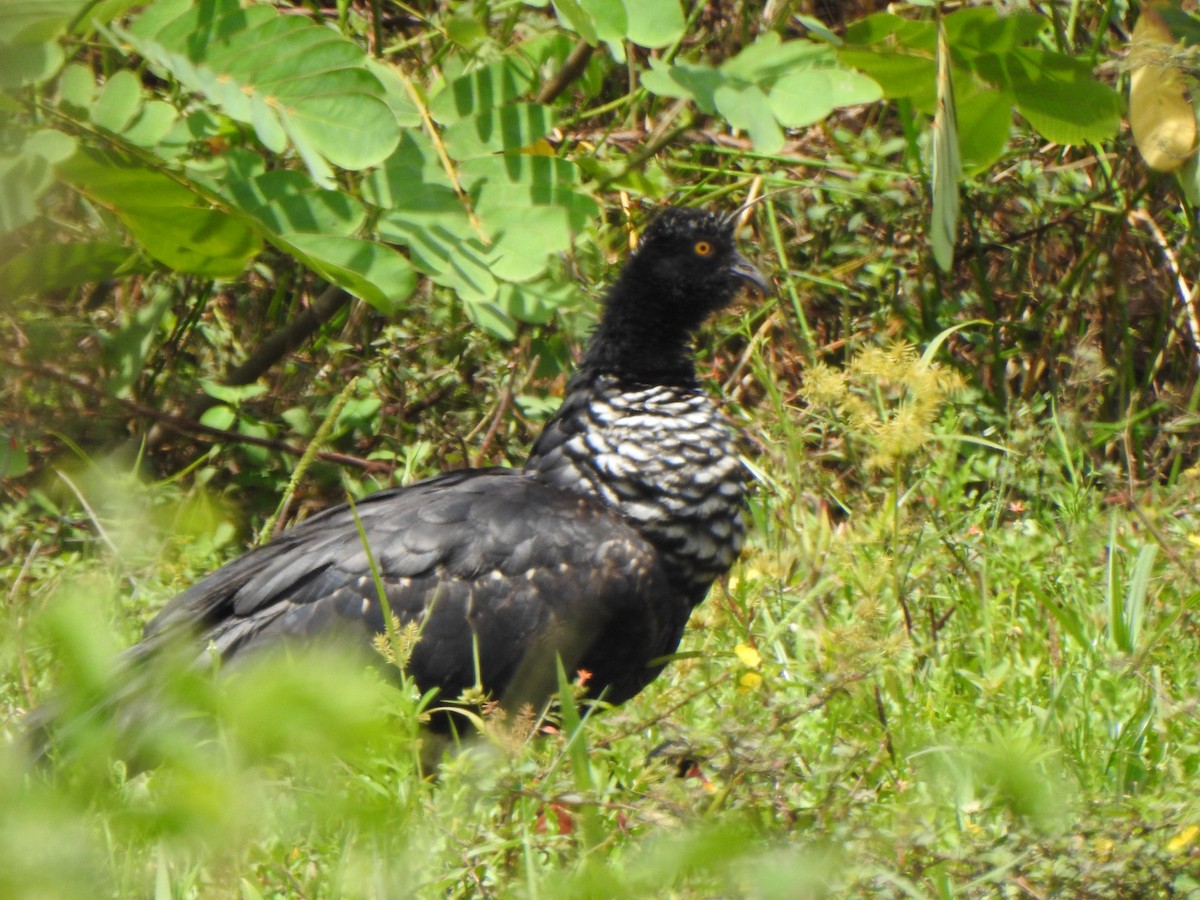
[{"x": 499, "y": 571}]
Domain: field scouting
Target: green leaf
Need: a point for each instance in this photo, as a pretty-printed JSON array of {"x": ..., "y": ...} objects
[
  {"x": 374, "y": 273},
  {"x": 984, "y": 29},
  {"x": 889, "y": 28},
  {"x": 985, "y": 117},
  {"x": 286, "y": 201},
  {"x": 77, "y": 87},
  {"x": 25, "y": 64},
  {"x": 947, "y": 164},
  {"x": 505, "y": 129},
  {"x": 14, "y": 459},
  {"x": 686, "y": 81},
  {"x": 396, "y": 94},
  {"x": 748, "y": 109},
  {"x": 904, "y": 75},
  {"x": 654, "y": 23},
  {"x": 220, "y": 417},
  {"x": 572, "y": 13},
  {"x": 36, "y": 21},
  {"x": 769, "y": 58},
  {"x": 494, "y": 85},
  {"x": 57, "y": 266},
  {"x": 465, "y": 31},
  {"x": 1060, "y": 97},
  {"x": 491, "y": 318},
  {"x": 176, "y": 226},
  {"x": 232, "y": 393},
  {"x": 608, "y": 18},
  {"x": 119, "y": 101},
  {"x": 27, "y": 175},
  {"x": 282, "y": 75},
  {"x": 809, "y": 95},
  {"x": 152, "y": 124}
]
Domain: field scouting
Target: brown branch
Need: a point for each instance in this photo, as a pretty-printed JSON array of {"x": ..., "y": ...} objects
[
  {"x": 572, "y": 68},
  {"x": 290, "y": 336}
]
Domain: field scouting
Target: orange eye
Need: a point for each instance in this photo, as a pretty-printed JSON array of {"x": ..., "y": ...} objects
[{"x": 702, "y": 248}]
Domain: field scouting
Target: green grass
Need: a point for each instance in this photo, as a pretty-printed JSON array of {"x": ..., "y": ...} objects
[{"x": 1033, "y": 734}]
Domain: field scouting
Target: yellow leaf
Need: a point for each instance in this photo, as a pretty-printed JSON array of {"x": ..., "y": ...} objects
[
  {"x": 1160, "y": 110},
  {"x": 1194, "y": 540},
  {"x": 540, "y": 147},
  {"x": 748, "y": 655}
]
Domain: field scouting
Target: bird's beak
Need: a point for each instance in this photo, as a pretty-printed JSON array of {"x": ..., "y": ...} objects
[{"x": 741, "y": 268}]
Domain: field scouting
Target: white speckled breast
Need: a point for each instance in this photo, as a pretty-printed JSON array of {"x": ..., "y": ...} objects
[{"x": 665, "y": 458}]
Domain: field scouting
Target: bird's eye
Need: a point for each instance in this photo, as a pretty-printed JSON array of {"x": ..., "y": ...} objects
[{"x": 702, "y": 248}]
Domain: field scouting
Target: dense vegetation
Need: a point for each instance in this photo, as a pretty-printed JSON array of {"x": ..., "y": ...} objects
[{"x": 256, "y": 261}]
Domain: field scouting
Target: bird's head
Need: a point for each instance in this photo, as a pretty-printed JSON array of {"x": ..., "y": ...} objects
[
  {"x": 688, "y": 259},
  {"x": 685, "y": 268}
]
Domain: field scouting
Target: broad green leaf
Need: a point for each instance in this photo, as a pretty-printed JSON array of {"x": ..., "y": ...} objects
[
  {"x": 947, "y": 164},
  {"x": 769, "y": 58},
  {"x": 465, "y": 31},
  {"x": 373, "y": 272},
  {"x": 57, "y": 266},
  {"x": 985, "y": 117},
  {"x": 119, "y": 101},
  {"x": 233, "y": 394},
  {"x": 687, "y": 81},
  {"x": 747, "y": 108},
  {"x": 528, "y": 180},
  {"x": 285, "y": 76},
  {"x": 572, "y": 13},
  {"x": 25, "y": 64},
  {"x": 14, "y": 458},
  {"x": 52, "y": 146},
  {"x": 77, "y": 87},
  {"x": 36, "y": 21},
  {"x": 176, "y": 227},
  {"x": 220, "y": 417},
  {"x": 152, "y": 124},
  {"x": 395, "y": 93},
  {"x": 654, "y": 23},
  {"x": 809, "y": 95},
  {"x": 414, "y": 163},
  {"x": 1060, "y": 97},
  {"x": 608, "y": 18},
  {"x": 984, "y": 29},
  {"x": 893, "y": 30},
  {"x": 505, "y": 129},
  {"x": 25, "y": 176},
  {"x": 494, "y": 85},
  {"x": 444, "y": 248},
  {"x": 287, "y": 201},
  {"x": 899, "y": 74},
  {"x": 491, "y": 318}
]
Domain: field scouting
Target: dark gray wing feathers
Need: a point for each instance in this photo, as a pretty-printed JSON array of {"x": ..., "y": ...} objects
[{"x": 492, "y": 565}]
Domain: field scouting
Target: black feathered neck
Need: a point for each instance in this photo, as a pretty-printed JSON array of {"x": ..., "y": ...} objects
[{"x": 684, "y": 269}]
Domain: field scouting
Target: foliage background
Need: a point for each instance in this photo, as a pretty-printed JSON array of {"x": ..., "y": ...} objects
[{"x": 256, "y": 260}]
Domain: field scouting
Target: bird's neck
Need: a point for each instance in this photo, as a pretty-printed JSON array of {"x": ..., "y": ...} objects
[{"x": 639, "y": 339}]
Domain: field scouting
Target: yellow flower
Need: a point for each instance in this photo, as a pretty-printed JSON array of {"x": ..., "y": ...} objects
[
  {"x": 1184, "y": 840},
  {"x": 748, "y": 655},
  {"x": 750, "y": 681}
]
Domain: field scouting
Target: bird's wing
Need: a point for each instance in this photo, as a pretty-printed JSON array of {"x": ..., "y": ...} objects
[{"x": 500, "y": 572}]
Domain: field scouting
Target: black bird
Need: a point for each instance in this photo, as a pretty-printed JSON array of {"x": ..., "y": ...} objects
[{"x": 596, "y": 550}]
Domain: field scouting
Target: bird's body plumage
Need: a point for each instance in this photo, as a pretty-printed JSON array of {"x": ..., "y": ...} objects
[{"x": 595, "y": 552}]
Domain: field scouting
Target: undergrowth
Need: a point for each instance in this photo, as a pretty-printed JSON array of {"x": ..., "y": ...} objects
[{"x": 958, "y": 658}]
